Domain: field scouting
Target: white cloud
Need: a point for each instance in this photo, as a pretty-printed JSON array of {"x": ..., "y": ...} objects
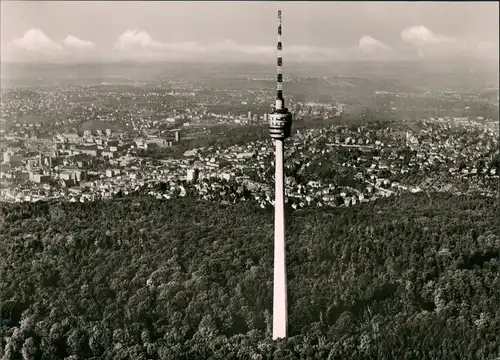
[
  {"x": 35, "y": 46},
  {"x": 369, "y": 44},
  {"x": 73, "y": 42},
  {"x": 137, "y": 44},
  {"x": 428, "y": 44},
  {"x": 420, "y": 35},
  {"x": 136, "y": 38},
  {"x": 35, "y": 40},
  {"x": 431, "y": 45},
  {"x": 132, "y": 40},
  {"x": 134, "y": 44}
]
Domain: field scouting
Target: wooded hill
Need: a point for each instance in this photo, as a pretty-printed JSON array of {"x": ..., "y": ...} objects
[{"x": 411, "y": 277}]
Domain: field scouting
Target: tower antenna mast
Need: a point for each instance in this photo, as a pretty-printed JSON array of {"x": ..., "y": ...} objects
[{"x": 280, "y": 122}]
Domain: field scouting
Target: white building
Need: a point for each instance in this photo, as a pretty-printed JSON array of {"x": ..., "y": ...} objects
[{"x": 192, "y": 175}]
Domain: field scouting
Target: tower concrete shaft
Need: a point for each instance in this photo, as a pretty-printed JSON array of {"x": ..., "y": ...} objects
[
  {"x": 280, "y": 122},
  {"x": 280, "y": 306}
]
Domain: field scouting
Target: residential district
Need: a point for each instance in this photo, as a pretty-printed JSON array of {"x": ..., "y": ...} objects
[{"x": 340, "y": 165}]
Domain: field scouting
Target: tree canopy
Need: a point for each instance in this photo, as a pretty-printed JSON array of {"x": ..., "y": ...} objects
[{"x": 410, "y": 277}]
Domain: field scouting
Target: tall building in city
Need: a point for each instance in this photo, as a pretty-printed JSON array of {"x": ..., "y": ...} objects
[
  {"x": 280, "y": 122},
  {"x": 177, "y": 135},
  {"x": 30, "y": 166},
  {"x": 192, "y": 175},
  {"x": 7, "y": 156}
]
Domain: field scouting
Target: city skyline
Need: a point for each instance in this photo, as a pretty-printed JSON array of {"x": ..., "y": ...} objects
[{"x": 330, "y": 31}]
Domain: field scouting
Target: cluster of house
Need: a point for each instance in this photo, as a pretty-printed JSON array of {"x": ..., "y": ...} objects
[{"x": 242, "y": 172}]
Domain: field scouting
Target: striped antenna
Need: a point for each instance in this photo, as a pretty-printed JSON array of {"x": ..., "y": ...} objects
[{"x": 280, "y": 102}]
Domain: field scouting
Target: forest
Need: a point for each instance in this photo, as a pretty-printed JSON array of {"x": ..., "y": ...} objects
[{"x": 409, "y": 277}]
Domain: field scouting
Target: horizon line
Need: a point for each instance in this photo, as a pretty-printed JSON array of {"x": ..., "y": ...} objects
[{"x": 138, "y": 61}]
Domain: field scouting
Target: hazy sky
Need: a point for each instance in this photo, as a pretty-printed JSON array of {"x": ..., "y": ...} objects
[{"x": 196, "y": 31}]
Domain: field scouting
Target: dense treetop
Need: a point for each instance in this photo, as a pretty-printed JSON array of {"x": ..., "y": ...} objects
[{"x": 410, "y": 277}]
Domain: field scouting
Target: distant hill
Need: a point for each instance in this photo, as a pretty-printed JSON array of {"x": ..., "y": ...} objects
[
  {"x": 311, "y": 89},
  {"x": 410, "y": 74}
]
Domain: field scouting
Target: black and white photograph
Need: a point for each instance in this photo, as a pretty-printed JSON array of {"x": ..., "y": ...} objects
[{"x": 254, "y": 180}]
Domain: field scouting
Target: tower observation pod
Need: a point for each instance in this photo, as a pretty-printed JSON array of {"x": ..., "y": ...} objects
[
  {"x": 280, "y": 123},
  {"x": 280, "y": 119}
]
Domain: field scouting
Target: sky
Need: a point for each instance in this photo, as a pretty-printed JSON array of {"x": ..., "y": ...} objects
[{"x": 69, "y": 31}]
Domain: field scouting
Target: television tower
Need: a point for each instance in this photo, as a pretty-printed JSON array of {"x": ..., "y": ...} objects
[{"x": 280, "y": 122}]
